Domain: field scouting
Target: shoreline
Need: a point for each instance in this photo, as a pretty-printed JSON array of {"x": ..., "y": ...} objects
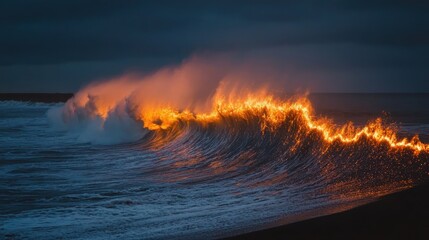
[{"x": 401, "y": 215}]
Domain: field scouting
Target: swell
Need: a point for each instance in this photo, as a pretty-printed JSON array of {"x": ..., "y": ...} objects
[
  {"x": 256, "y": 141},
  {"x": 238, "y": 169},
  {"x": 291, "y": 156}
]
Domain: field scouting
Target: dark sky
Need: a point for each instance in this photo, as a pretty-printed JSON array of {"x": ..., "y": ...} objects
[{"x": 353, "y": 46}]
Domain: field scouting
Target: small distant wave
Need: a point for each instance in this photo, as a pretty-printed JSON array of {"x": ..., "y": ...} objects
[
  {"x": 248, "y": 162},
  {"x": 26, "y": 104}
]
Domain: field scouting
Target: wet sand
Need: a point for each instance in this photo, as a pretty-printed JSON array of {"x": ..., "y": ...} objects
[{"x": 403, "y": 215}]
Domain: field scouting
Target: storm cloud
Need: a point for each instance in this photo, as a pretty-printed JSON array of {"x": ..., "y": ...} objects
[{"x": 353, "y": 46}]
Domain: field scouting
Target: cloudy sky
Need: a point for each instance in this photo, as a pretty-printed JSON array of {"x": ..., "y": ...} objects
[{"x": 325, "y": 46}]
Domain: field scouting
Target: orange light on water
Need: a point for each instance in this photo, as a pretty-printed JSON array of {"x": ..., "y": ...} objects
[{"x": 272, "y": 113}]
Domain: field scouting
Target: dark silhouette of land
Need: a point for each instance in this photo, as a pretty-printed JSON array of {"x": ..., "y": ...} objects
[
  {"x": 403, "y": 215},
  {"x": 36, "y": 97}
]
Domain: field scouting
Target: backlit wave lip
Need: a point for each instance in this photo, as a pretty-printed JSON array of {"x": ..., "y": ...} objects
[
  {"x": 274, "y": 154},
  {"x": 271, "y": 114},
  {"x": 205, "y": 92}
]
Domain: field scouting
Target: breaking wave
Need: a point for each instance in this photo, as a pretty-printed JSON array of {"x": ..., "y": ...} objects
[
  {"x": 260, "y": 140},
  {"x": 243, "y": 137}
]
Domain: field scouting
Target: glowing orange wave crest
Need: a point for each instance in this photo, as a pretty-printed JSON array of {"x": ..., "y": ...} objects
[{"x": 272, "y": 114}]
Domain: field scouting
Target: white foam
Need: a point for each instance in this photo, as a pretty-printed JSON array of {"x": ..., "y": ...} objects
[{"x": 117, "y": 127}]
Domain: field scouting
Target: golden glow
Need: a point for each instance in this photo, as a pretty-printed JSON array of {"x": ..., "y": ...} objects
[{"x": 272, "y": 113}]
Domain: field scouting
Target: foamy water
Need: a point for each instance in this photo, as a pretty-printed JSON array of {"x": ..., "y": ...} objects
[{"x": 191, "y": 181}]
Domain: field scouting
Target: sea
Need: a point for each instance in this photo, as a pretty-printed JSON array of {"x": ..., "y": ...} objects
[{"x": 193, "y": 181}]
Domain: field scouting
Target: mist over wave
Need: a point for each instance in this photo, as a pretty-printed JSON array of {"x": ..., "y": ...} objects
[
  {"x": 202, "y": 91},
  {"x": 117, "y": 127},
  {"x": 170, "y": 155},
  {"x": 253, "y": 161},
  {"x": 209, "y": 106}
]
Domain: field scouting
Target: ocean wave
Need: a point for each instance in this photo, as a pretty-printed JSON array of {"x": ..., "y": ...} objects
[
  {"x": 264, "y": 141},
  {"x": 245, "y": 164},
  {"x": 11, "y": 104}
]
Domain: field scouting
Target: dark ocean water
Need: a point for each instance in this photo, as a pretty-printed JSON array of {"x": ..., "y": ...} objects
[{"x": 196, "y": 182}]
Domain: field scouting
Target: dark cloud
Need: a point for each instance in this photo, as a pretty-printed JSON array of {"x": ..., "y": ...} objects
[{"x": 60, "y": 45}]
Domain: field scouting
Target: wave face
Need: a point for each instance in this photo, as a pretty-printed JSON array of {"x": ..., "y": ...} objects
[{"x": 169, "y": 173}]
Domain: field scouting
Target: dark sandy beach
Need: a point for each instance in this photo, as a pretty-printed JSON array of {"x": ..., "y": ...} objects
[
  {"x": 214, "y": 120},
  {"x": 403, "y": 215}
]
